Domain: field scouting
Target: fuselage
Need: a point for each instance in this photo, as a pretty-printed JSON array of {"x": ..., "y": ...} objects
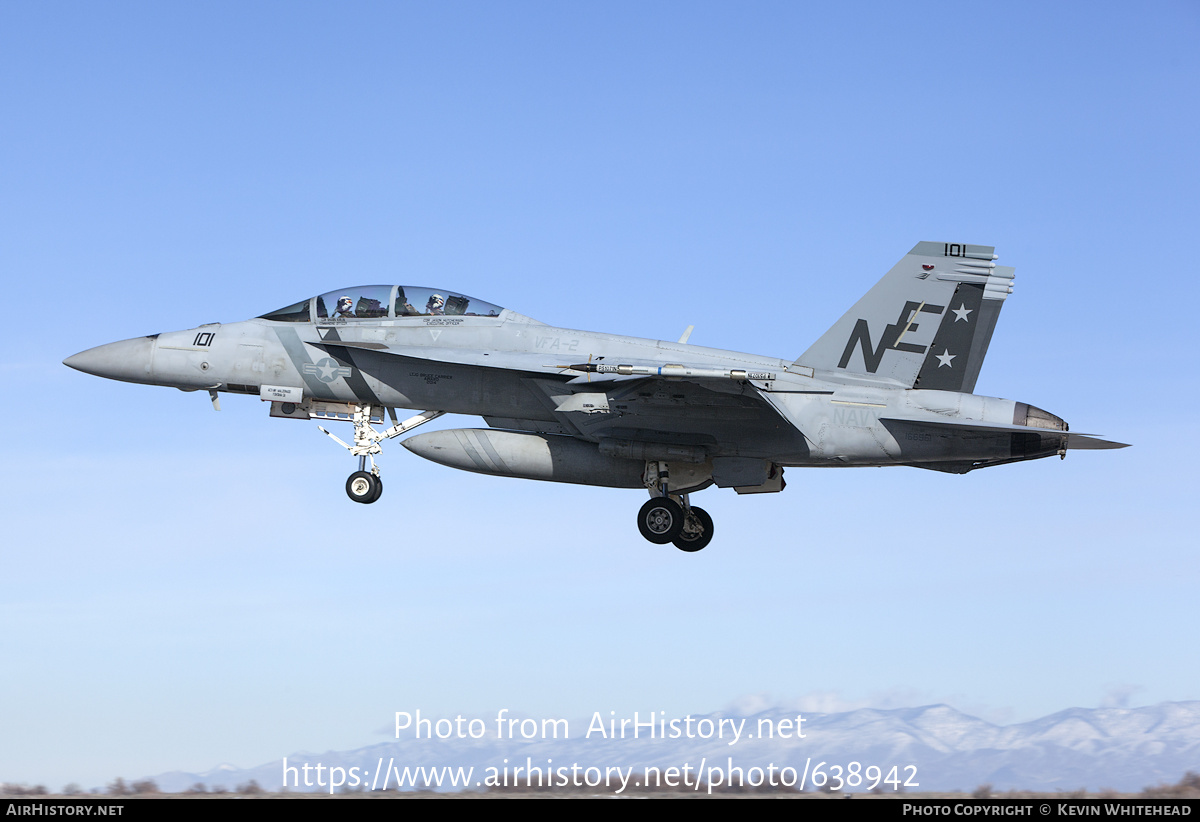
[{"x": 513, "y": 371}]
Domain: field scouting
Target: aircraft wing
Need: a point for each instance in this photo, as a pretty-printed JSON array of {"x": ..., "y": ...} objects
[
  {"x": 712, "y": 416},
  {"x": 591, "y": 372},
  {"x": 701, "y": 409}
]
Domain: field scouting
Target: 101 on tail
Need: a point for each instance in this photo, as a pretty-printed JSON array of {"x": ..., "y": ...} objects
[{"x": 890, "y": 383}]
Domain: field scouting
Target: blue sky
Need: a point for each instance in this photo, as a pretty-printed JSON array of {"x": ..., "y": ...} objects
[{"x": 184, "y": 588}]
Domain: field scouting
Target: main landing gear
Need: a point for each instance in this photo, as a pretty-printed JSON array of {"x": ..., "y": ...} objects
[
  {"x": 365, "y": 485},
  {"x": 668, "y": 517}
]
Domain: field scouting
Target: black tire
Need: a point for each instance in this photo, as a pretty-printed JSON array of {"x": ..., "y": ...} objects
[
  {"x": 378, "y": 489},
  {"x": 694, "y": 542},
  {"x": 363, "y": 487},
  {"x": 660, "y": 520}
]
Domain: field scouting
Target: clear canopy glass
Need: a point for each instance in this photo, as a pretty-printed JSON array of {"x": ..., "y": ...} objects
[{"x": 377, "y": 302}]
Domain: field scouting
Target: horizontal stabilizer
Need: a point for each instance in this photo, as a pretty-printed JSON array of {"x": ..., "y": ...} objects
[
  {"x": 1080, "y": 442},
  {"x": 1087, "y": 442}
]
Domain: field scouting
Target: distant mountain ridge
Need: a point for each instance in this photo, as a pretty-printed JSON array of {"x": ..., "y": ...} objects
[{"x": 1125, "y": 749}]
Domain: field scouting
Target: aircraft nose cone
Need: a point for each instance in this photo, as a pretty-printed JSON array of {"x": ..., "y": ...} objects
[{"x": 127, "y": 360}]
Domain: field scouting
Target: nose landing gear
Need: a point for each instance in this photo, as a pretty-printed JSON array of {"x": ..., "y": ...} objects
[{"x": 366, "y": 486}]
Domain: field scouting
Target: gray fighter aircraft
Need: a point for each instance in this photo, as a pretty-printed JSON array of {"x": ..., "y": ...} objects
[{"x": 889, "y": 384}]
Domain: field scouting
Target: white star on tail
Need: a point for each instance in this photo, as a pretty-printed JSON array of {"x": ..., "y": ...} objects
[
  {"x": 945, "y": 357},
  {"x": 961, "y": 312}
]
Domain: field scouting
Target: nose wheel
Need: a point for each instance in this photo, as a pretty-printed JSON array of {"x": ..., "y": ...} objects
[{"x": 364, "y": 487}]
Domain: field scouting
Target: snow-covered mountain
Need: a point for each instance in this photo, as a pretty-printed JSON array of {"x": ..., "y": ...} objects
[{"x": 1117, "y": 748}]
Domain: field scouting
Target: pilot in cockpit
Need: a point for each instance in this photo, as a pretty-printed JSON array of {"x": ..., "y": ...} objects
[
  {"x": 436, "y": 305},
  {"x": 345, "y": 307}
]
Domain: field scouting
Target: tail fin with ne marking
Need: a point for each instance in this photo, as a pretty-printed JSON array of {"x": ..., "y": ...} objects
[{"x": 926, "y": 324}]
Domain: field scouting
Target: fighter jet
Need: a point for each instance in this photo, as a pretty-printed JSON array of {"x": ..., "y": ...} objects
[{"x": 890, "y": 383}]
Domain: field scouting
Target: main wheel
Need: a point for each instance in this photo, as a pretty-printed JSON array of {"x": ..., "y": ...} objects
[
  {"x": 378, "y": 489},
  {"x": 696, "y": 540},
  {"x": 660, "y": 520},
  {"x": 363, "y": 487}
]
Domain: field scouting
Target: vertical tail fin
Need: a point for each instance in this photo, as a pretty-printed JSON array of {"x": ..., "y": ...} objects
[{"x": 926, "y": 324}]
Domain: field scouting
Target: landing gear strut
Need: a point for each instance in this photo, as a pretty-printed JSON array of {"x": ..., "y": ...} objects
[
  {"x": 365, "y": 485},
  {"x": 697, "y": 531},
  {"x": 668, "y": 517}
]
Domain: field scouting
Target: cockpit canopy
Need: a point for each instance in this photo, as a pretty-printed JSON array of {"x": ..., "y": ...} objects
[{"x": 381, "y": 302}]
